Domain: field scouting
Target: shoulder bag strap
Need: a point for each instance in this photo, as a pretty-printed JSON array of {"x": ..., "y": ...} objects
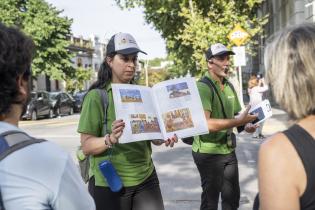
[
  {"x": 12, "y": 141},
  {"x": 1, "y": 202},
  {"x": 104, "y": 98},
  {"x": 15, "y": 140},
  {"x": 232, "y": 87},
  {"x": 207, "y": 81}
]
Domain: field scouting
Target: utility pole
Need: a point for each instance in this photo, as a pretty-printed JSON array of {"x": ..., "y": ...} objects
[
  {"x": 239, "y": 36},
  {"x": 240, "y": 79},
  {"x": 146, "y": 73},
  {"x": 191, "y": 8}
]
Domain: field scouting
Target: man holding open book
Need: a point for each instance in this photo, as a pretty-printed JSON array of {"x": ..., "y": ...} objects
[{"x": 214, "y": 153}]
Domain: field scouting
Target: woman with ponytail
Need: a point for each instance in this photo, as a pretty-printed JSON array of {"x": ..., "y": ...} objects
[{"x": 132, "y": 161}]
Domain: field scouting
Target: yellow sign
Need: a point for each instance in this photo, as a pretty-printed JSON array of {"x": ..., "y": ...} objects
[{"x": 238, "y": 35}]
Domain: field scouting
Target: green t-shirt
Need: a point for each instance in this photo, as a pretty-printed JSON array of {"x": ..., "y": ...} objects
[
  {"x": 215, "y": 142},
  {"x": 132, "y": 161}
]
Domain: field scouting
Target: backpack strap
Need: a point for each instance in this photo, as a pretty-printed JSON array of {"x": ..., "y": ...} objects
[
  {"x": 232, "y": 87},
  {"x": 211, "y": 85},
  {"x": 12, "y": 141},
  {"x": 84, "y": 162},
  {"x": 104, "y": 98},
  {"x": 1, "y": 202}
]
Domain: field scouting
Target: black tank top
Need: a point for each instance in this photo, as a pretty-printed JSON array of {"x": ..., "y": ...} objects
[{"x": 304, "y": 144}]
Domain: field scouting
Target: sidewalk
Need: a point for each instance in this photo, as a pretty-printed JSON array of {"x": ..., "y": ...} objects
[{"x": 179, "y": 178}]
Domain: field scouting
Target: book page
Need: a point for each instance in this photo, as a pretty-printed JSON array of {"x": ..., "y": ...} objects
[
  {"x": 263, "y": 111},
  {"x": 180, "y": 108},
  {"x": 133, "y": 104}
]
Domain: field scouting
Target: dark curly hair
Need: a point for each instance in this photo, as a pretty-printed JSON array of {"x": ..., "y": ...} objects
[{"x": 16, "y": 53}]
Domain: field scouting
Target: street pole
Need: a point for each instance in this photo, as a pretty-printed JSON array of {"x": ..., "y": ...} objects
[
  {"x": 146, "y": 73},
  {"x": 239, "y": 36},
  {"x": 241, "y": 86}
]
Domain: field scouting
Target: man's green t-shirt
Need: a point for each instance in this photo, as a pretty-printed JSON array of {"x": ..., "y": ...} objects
[
  {"x": 216, "y": 142},
  {"x": 132, "y": 160}
]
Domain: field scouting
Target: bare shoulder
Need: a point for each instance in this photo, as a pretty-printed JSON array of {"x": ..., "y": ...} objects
[
  {"x": 279, "y": 165},
  {"x": 279, "y": 152},
  {"x": 279, "y": 157},
  {"x": 275, "y": 145}
]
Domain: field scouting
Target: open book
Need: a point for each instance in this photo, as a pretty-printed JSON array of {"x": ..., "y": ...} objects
[
  {"x": 172, "y": 106},
  {"x": 263, "y": 111}
]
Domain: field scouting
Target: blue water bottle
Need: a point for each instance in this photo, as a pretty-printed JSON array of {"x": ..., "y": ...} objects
[{"x": 111, "y": 175}]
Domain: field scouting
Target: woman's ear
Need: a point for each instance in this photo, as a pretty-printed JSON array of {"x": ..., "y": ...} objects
[
  {"x": 109, "y": 61},
  {"x": 22, "y": 86}
]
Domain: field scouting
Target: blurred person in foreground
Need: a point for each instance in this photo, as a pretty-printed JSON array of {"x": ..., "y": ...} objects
[
  {"x": 286, "y": 160},
  {"x": 214, "y": 153},
  {"x": 132, "y": 161},
  {"x": 41, "y": 175}
]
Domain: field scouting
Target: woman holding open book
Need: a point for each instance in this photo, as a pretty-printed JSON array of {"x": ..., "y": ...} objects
[{"x": 132, "y": 161}]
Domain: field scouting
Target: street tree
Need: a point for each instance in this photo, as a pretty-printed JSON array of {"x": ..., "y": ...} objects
[
  {"x": 189, "y": 26},
  {"x": 154, "y": 76},
  {"x": 49, "y": 30},
  {"x": 156, "y": 61},
  {"x": 76, "y": 82}
]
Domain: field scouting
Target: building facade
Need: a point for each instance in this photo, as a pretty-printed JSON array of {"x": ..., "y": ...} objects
[
  {"x": 88, "y": 54},
  {"x": 282, "y": 13}
]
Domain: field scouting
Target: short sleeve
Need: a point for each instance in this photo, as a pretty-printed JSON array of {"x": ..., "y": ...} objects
[
  {"x": 92, "y": 115},
  {"x": 205, "y": 95}
]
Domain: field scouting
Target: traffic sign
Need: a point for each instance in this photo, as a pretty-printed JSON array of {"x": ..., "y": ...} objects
[
  {"x": 239, "y": 57},
  {"x": 238, "y": 35}
]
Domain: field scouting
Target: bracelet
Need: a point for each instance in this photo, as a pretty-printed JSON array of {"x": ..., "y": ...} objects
[{"x": 108, "y": 144}]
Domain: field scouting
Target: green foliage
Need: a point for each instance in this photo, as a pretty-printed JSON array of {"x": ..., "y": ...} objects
[
  {"x": 190, "y": 26},
  {"x": 76, "y": 83},
  {"x": 10, "y": 12},
  {"x": 156, "y": 62},
  {"x": 48, "y": 29},
  {"x": 154, "y": 77}
]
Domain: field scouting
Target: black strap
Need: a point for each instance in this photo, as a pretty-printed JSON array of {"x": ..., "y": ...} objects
[
  {"x": 104, "y": 98},
  {"x": 1, "y": 202},
  {"x": 304, "y": 145},
  {"x": 16, "y": 140},
  {"x": 11, "y": 142},
  {"x": 232, "y": 87},
  {"x": 207, "y": 81}
]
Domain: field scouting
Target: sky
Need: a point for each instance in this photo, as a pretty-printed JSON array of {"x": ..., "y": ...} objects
[{"x": 104, "y": 19}]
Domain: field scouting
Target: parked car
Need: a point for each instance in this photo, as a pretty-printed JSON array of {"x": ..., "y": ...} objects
[
  {"x": 78, "y": 97},
  {"x": 39, "y": 105},
  {"x": 62, "y": 102}
]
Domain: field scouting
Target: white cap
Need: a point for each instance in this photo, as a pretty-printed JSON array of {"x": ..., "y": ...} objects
[
  {"x": 217, "y": 49},
  {"x": 123, "y": 43}
]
